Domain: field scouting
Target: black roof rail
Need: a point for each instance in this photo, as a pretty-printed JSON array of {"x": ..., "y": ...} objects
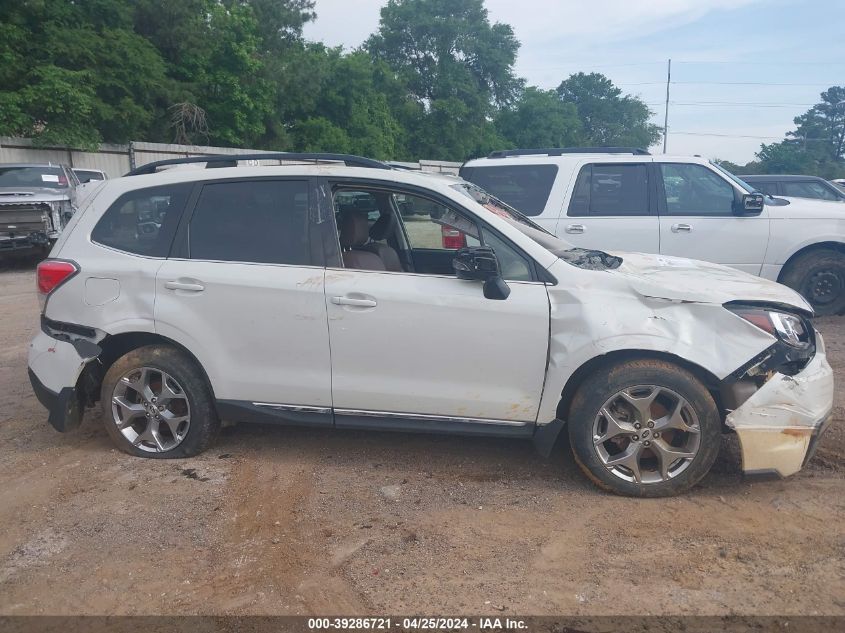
[
  {"x": 230, "y": 160},
  {"x": 559, "y": 151}
]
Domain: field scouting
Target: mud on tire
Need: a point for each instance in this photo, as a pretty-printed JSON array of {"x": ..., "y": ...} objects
[
  {"x": 156, "y": 403},
  {"x": 644, "y": 428}
]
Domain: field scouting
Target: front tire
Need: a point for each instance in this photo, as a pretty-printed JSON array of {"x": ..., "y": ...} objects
[
  {"x": 644, "y": 428},
  {"x": 819, "y": 275},
  {"x": 157, "y": 404}
]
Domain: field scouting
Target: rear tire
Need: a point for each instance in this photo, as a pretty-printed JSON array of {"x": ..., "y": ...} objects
[
  {"x": 156, "y": 404},
  {"x": 644, "y": 428},
  {"x": 819, "y": 275}
]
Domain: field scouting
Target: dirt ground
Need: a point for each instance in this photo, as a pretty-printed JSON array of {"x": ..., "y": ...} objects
[{"x": 291, "y": 521}]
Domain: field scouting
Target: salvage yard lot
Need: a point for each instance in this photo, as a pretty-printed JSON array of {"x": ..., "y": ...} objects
[{"x": 295, "y": 521}]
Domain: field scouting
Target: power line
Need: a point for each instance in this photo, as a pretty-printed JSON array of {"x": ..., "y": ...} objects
[{"x": 749, "y": 136}]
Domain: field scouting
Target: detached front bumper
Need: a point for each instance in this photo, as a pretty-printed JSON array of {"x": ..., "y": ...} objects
[{"x": 780, "y": 424}]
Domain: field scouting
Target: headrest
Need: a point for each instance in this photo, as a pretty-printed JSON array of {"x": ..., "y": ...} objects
[
  {"x": 353, "y": 229},
  {"x": 381, "y": 227}
]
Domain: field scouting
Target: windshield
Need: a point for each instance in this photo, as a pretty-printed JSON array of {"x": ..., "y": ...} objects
[
  {"x": 583, "y": 258},
  {"x": 28, "y": 177},
  {"x": 493, "y": 204},
  {"x": 744, "y": 185}
]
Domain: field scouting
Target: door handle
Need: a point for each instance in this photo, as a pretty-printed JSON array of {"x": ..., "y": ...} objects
[
  {"x": 575, "y": 228},
  {"x": 184, "y": 285},
  {"x": 681, "y": 228},
  {"x": 358, "y": 303}
]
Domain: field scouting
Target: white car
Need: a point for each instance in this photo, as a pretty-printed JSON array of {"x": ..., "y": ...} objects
[
  {"x": 625, "y": 199},
  {"x": 276, "y": 294}
]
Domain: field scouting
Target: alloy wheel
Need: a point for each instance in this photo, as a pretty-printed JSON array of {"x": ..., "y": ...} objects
[
  {"x": 151, "y": 410},
  {"x": 646, "y": 434}
]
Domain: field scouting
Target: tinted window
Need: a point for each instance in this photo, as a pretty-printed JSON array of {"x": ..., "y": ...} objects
[
  {"x": 87, "y": 175},
  {"x": 143, "y": 221},
  {"x": 524, "y": 187},
  {"x": 251, "y": 221},
  {"x": 30, "y": 177},
  {"x": 615, "y": 189},
  {"x": 770, "y": 188},
  {"x": 808, "y": 189},
  {"x": 695, "y": 190}
]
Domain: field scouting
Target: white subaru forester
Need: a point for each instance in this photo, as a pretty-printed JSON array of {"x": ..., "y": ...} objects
[{"x": 323, "y": 295}]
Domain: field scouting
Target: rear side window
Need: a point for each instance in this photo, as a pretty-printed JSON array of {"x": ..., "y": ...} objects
[
  {"x": 144, "y": 221},
  {"x": 261, "y": 221},
  {"x": 610, "y": 190},
  {"x": 525, "y": 187},
  {"x": 768, "y": 187}
]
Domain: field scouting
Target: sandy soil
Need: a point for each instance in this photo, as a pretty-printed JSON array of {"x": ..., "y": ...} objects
[{"x": 292, "y": 521}]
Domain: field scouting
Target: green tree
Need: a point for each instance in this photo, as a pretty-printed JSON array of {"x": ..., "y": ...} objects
[
  {"x": 457, "y": 66},
  {"x": 539, "y": 119},
  {"x": 607, "y": 116},
  {"x": 816, "y": 146}
]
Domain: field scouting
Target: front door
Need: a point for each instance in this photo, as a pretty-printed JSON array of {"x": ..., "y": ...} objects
[
  {"x": 246, "y": 297},
  {"x": 428, "y": 345},
  {"x": 697, "y": 219}
]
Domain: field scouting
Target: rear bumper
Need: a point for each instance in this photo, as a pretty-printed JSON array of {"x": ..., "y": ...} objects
[
  {"x": 65, "y": 411},
  {"x": 54, "y": 369},
  {"x": 780, "y": 425}
]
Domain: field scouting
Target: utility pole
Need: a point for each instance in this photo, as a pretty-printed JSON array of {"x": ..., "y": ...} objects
[{"x": 666, "y": 114}]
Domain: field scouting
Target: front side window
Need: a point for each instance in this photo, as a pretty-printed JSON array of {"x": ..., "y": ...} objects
[
  {"x": 692, "y": 189},
  {"x": 808, "y": 189},
  {"x": 610, "y": 190},
  {"x": 261, "y": 221},
  {"x": 144, "y": 221}
]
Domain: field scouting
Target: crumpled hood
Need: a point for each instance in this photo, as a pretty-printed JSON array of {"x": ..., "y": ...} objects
[
  {"x": 18, "y": 195},
  {"x": 681, "y": 279}
]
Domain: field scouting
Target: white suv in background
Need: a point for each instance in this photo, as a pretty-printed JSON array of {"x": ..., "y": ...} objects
[
  {"x": 626, "y": 199},
  {"x": 302, "y": 294}
]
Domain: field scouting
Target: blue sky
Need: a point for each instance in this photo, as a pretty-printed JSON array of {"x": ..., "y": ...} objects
[{"x": 715, "y": 45}]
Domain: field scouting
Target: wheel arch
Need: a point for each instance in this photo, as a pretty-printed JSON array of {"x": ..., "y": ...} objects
[
  {"x": 547, "y": 435},
  {"x": 836, "y": 246},
  {"x": 594, "y": 364},
  {"x": 115, "y": 346}
]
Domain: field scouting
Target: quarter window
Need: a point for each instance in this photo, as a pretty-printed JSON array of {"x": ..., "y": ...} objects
[
  {"x": 524, "y": 187},
  {"x": 262, "y": 221},
  {"x": 144, "y": 221},
  {"x": 610, "y": 190},
  {"x": 695, "y": 190}
]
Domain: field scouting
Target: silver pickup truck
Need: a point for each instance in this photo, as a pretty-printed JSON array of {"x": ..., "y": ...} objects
[{"x": 36, "y": 201}]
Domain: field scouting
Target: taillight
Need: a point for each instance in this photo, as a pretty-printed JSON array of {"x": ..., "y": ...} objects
[
  {"x": 52, "y": 273},
  {"x": 452, "y": 238}
]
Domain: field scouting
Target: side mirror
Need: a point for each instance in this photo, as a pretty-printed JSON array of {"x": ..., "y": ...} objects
[
  {"x": 750, "y": 204},
  {"x": 480, "y": 264}
]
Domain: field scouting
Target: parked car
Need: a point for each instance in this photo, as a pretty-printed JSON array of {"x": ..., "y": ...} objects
[
  {"x": 87, "y": 175},
  {"x": 839, "y": 182},
  {"x": 250, "y": 300},
  {"x": 626, "y": 199},
  {"x": 36, "y": 201},
  {"x": 796, "y": 187}
]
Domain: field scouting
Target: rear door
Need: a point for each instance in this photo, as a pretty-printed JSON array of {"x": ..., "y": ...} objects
[
  {"x": 612, "y": 207},
  {"x": 243, "y": 290},
  {"x": 697, "y": 219}
]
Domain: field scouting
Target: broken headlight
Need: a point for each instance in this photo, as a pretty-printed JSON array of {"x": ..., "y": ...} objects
[{"x": 792, "y": 329}]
